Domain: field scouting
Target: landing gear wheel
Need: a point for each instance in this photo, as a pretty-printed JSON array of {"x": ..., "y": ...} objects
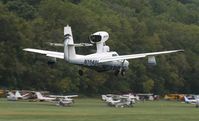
[
  {"x": 123, "y": 72},
  {"x": 116, "y": 72},
  {"x": 80, "y": 72}
]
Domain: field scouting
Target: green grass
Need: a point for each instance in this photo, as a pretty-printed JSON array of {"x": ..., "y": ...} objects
[{"x": 96, "y": 110}]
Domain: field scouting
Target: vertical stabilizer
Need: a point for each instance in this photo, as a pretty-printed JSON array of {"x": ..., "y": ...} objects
[
  {"x": 186, "y": 99},
  {"x": 17, "y": 94},
  {"x": 69, "y": 49},
  {"x": 39, "y": 95}
]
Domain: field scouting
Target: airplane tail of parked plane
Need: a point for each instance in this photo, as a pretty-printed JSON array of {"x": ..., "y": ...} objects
[
  {"x": 39, "y": 95},
  {"x": 69, "y": 47},
  {"x": 186, "y": 99},
  {"x": 17, "y": 94}
]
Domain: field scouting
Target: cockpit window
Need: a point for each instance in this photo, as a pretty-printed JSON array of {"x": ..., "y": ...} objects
[{"x": 95, "y": 38}]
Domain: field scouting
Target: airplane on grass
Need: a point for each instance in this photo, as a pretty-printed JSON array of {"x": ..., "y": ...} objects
[
  {"x": 102, "y": 60},
  {"x": 57, "y": 99},
  {"x": 192, "y": 100},
  {"x": 16, "y": 96},
  {"x": 64, "y": 100},
  {"x": 119, "y": 100}
]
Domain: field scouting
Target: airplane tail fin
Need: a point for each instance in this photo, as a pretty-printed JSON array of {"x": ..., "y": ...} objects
[
  {"x": 17, "y": 94},
  {"x": 186, "y": 99},
  {"x": 39, "y": 95},
  {"x": 69, "y": 48}
]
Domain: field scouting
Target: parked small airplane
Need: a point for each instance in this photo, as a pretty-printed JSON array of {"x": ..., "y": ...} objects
[
  {"x": 16, "y": 96},
  {"x": 119, "y": 100},
  {"x": 125, "y": 102},
  {"x": 191, "y": 100},
  {"x": 102, "y": 60},
  {"x": 64, "y": 100}
]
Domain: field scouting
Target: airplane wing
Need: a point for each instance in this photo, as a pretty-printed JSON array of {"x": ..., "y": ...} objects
[
  {"x": 134, "y": 56},
  {"x": 47, "y": 53},
  {"x": 62, "y": 96}
]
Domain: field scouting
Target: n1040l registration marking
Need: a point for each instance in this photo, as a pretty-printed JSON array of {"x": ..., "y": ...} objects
[{"x": 91, "y": 62}]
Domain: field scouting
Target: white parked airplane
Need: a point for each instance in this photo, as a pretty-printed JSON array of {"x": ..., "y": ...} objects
[
  {"x": 119, "y": 100},
  {"x": 16, "y": 96},
  {"x": 191, "y": 100},
  {"x": 102, "y": 60},
  {"x": 64, "y": 100},
  {"x": 125, "y": 102}
]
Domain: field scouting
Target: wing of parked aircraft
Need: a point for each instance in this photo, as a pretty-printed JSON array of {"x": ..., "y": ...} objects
[
  {"x": 134, "y": 56},
  {"x": 53, "y": 54},
  {"x": 63, "y": 96}
]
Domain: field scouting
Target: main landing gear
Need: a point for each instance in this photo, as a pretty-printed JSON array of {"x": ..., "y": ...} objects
[
  {"x": 80, "y": 72},
  {"x": 122, "y": 72}
]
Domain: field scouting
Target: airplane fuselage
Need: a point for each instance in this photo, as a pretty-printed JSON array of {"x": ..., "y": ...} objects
[{"x": 92, "y": 61}]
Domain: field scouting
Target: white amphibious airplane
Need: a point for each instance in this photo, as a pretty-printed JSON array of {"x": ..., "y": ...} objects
[{"x": 102, "y": 60}]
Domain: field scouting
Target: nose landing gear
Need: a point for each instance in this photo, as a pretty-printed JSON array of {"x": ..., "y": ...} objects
[
  {"x": 122, "y": 72},
  {"x": 80, "y": 72},
  {"x": 116, "y": 72}
]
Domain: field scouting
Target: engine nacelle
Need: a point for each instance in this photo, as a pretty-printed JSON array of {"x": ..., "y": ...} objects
[
  {"x": 152, "y": 60},
  {"x": 99, "y": 37},
  {"x": 52, "y": 61}
]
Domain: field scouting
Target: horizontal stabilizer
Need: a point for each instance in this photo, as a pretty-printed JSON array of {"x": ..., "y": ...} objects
[
  {"x": 76, "y": 44},
  {"x": 81, "y": 44},
  {"x": 56, "y": 44}
]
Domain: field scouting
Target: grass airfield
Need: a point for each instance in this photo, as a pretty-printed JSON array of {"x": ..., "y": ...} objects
[{"x": 96, "y": 110}]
